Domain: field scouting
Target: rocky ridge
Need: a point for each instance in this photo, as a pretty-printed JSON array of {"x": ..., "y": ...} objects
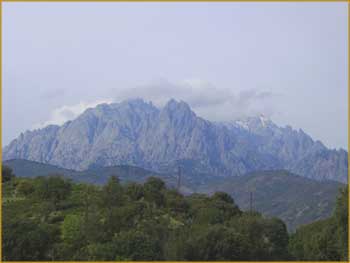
[{"x": 135, "y": 132}]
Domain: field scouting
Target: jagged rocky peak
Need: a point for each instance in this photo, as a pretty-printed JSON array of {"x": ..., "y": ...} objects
[
  {"x": 136, "y": 132},
  {"x": 48, "y": 128},
  {"x": 137, "y": 103},
  {"x": 260, "y": 121},
  {"x": 252, "y": 123},
  {"x": 173, "y": 105},
  {"x": 121, "y": 111},
  {"x": 177, "y": 110}
]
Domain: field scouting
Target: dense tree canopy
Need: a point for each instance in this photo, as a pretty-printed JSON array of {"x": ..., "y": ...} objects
[
  {"x": 7, "y": 174},
  {"x": 51, "y": 218}
]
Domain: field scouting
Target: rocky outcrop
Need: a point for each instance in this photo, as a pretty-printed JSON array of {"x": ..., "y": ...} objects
[{"x": 137, "y": 133}]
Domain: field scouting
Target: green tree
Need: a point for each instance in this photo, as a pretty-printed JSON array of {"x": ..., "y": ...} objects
[
  {"x": 101, "y": 252},
  {"x": 25, "y": 188},
  {"x": 341, "y": 220},
  {"x": 222, "y": 196},
  {"x": 134, "y": 191},
  {"x": 72, "y": 231},
  {"x": 217, "y": 243},
  {"x": 53, "y": 189},
  {"x": 62, "y": 220},
  {"x": 214, "y": 210},
  {"x": 27, "y": 241},
  {"x": 7, "y": 173},
  {"x": 314, "y": 242},
  {"x": 137, "y": 245},
  {"x": 153, "y": 191},
  {"x": 175, "y": 202},
  {"x": 276, "y": 238},
  {"x": 266, "y": 237},
  {"x": 112, "y": 193},
  {"x": 111, "y": 199}
]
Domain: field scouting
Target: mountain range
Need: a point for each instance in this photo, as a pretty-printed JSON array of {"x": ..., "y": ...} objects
[{"x": 137, "y": 133}]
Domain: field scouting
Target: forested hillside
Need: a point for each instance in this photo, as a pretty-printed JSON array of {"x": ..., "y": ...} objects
[
  {"x": 52, "y": 218},
  {"x": 294, "y": 199}
]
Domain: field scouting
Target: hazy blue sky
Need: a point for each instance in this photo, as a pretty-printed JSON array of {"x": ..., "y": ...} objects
[{"x": 227, "y": 60}]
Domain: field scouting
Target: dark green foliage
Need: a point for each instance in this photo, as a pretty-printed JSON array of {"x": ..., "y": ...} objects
[
  {"x": 222, "y": 196},
  {"x": 7, "y": 174},
  {"x": 153, "y": 191},
  {"x": 24, "y": 239},
  {"x": 72, "y": 230},
  {"x": 175, "y": 202},
  {"x": 112, "y": 193},
  {"x": 217, "y": 243},
  {"x": 267, "y": 237},
  {"x": 137, "y": 245},
  {"x": 324, "y": 239},
  {"x": 275, "y": 193},
  {"x": 341, "y": 221},
  {"x": 212, "y": 210},
  {"x": 53, "y": 189},
  {"x": 134, "y": 191},
  {"x": 25, "y": 188},
  {"x": 51, "y": 218}
]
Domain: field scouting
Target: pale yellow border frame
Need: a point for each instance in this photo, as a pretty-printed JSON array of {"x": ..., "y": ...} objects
[{"x": 333, "y": 1}]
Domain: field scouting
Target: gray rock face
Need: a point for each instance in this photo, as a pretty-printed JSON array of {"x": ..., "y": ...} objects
[{"x": 137, "y": 133}]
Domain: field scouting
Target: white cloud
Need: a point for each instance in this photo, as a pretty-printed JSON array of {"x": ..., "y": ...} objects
[
  {"x": 69, "y": 112},
  {"x": 208, "y": 101},
  {"x": 205, "y": 99}
]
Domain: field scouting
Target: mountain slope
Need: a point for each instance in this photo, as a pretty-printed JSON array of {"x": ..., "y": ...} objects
[
  {"x": 137, "y": 133},
  {"x": 294, "y": 199},
  {"x": 26, "y": 168}
]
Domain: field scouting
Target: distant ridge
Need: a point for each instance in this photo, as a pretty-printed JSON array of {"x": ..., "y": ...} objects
[{"x": 95, "y": 175}]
